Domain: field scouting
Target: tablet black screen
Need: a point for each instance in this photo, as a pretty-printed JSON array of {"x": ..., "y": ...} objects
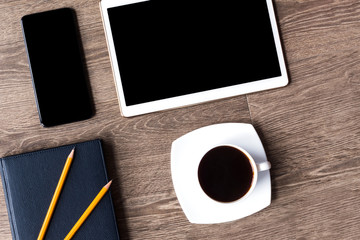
[{"x": 168, "y": 48}]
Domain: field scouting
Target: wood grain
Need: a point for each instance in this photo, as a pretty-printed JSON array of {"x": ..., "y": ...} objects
[{"x": 309, "y": 129}]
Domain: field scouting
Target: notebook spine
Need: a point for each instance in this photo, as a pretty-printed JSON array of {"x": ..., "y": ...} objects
[{"x": 8, "y": 201}]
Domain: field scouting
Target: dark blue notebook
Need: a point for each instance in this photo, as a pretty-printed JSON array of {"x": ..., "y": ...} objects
[{"x": 29, "y": 181}]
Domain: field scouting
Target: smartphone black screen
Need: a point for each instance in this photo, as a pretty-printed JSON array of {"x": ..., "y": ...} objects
[{"x": 58, "y": 73}]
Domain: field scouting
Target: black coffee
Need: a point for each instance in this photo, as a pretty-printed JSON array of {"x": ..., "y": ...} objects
[{"x": 225, "y": 174}]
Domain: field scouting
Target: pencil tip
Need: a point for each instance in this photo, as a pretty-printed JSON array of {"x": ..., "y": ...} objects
[
  {"x": 107, "y": 186},
  {"x": 72, "y": 153}
]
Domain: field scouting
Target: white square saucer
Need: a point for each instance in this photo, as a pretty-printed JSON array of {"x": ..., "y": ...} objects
[{"x": 186, "y": 153}]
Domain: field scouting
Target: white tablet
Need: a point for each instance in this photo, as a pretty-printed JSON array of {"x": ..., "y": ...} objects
[{"x": 171, "y": 53}]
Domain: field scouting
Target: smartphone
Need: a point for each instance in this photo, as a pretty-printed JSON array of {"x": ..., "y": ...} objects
[{"x": 56, "y": 64}]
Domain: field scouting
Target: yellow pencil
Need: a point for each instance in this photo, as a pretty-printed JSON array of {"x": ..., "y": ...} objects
[
  {"x": 56, "y": 195},
  {"x": 88, "y": 211}
]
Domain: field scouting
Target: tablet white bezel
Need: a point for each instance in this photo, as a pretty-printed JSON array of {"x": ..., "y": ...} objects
[{"x": 193, "y": 98}]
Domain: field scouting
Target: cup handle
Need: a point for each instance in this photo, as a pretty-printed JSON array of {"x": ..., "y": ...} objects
[{"x": 263, "y": 166}]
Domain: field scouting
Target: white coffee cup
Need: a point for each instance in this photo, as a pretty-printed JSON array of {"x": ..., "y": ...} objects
[
  {"x": 186, "y": 155},
  {"x": 228, "y": 173}
]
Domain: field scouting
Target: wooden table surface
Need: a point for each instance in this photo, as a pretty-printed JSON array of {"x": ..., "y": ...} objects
[{"x": 310, "y": 129}]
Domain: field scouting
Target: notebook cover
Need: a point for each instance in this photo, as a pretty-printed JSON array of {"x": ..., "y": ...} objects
[{"x": 29, "y": 181}]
